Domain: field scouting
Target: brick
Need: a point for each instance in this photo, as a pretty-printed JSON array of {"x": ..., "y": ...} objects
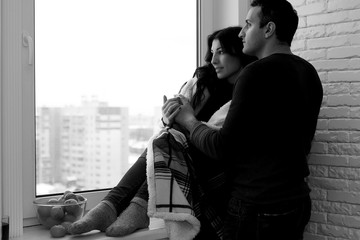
[
  {"x": 311, "y": 236},
  {"x": 342, "y": 220},
  {"x": 324, "y": 102},
  {"x": 318, "y": 147},
  {"x": 336, "y": 64},
  {"x": 338, "y": 5},
  {"x": 322, "y": 124},
  {"x": 328, "y": 160},
  {"x": 344, "y": 52},
  {"x": 336, "y": 219},
  {"x": 298, "y": 45},
  {"x": 311, "y": 227},
  {"x": 328, "y": 183},
  {"x": 333, "y": 231},
  {"x": 354, "y": 39},
  {"x": 302, "y": 22},
  {"x": 344, "y": 149},
  {"x": 323, "y": 76},
  {"x": 327, "y": 42},
  {"x": 331, "y": 238},
  {"x": 354, "y": 210},
  {"x": 342, "y": 28},
  {"x": 344, "y": 173},
  {"x": 318, "y": 171},
  {"x": 313, "y": 1},
  {"x": 311, "y": 55},
  {"x": 312, "y": 8},
  {"x": 343, "y": 100},
  {"x": 355, "y": 138},
  {"x": 332, "y": 136},
  {"x": 342, "y": 196},
  {"x": 344, "y": 124},
  {"x": 318, "y": 217},
  {"x": 311, "y": 32},
  {"x": 354, "y": 161},
  {"x": 354, "y": 186},
  {"x": 354, "y": 234},
  {"x": 355, "y": 112},
  {"x": 344, "y": 76},
  {"x": 354, "y": 15},
  {"x": 318, "y": 194},
  {"x": 336, "y": 88},
  {"x": 297, "y": 3},
  {"x": 335, "y": 17},
  {"x": 355, "y": 87},
  {"x": 354, "y": 64},
  {"x": 334, "y": 112},
  {"x": 334, "y": 207}
]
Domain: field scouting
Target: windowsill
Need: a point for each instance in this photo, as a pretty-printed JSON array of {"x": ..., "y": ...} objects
[{"x": 156, "y": 231}]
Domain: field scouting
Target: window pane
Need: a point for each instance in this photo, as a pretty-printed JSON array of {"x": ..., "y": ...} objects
[{"x": 102, "y": 68}]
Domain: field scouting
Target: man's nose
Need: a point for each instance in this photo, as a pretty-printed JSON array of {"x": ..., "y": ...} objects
[{"x": 241, "y": 33}]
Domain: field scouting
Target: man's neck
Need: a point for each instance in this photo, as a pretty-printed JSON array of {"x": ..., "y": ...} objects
[{"x": 275, "y": 48}]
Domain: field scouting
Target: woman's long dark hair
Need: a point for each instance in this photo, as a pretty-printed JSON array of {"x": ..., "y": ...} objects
[{"x": 206, "y": 75}]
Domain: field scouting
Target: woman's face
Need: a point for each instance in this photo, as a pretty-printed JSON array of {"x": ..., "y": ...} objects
[{"x": 226, "y": 65}]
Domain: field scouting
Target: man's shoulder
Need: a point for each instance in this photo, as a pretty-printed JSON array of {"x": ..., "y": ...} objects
[{"x": 278, "y": 61}]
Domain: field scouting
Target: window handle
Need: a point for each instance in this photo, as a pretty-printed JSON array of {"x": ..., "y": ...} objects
[{"x": 28, "y": 42}]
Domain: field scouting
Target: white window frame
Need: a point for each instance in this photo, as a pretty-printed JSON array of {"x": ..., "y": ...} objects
[{"x": 17, "y": 132}]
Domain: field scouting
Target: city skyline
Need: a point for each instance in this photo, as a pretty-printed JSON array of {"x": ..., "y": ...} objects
[{"x": 88, "y": 146}]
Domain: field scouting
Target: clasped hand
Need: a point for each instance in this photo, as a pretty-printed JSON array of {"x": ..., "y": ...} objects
[{"x": 177, "y": 109}]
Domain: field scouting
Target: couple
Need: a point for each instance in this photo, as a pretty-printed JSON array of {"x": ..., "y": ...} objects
[{"x": 263, "y": 143}]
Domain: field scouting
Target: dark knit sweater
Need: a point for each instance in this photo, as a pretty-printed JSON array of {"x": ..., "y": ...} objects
[{"x": 267, "y": 134}]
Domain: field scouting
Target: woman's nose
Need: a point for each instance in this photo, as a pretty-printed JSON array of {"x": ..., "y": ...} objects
[{"x": 214, "y": 59}]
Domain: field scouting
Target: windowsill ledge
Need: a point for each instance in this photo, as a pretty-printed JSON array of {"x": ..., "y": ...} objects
[{"x": 156, "y": 231}]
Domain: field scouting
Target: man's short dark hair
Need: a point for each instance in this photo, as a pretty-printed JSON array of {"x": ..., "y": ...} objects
[{"x": 282, "y": 14}]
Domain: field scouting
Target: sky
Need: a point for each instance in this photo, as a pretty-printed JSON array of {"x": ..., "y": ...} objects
[{"x": 123, "y": 52}]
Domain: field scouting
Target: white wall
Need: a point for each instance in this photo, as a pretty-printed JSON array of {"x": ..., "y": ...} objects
[
  {"x": 217, "y": 14},
  {"x": 229, "y": 13},
  {"x": 328, "y": 37}
]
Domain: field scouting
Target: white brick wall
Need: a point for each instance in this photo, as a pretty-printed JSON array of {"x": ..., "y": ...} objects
[{"x": 329, "y": 37}]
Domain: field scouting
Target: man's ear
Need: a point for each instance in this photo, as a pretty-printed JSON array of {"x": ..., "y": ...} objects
[{"x": 270, "y": 29}]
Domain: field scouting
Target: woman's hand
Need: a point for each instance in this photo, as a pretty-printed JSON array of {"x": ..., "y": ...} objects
[
  {"x": 186, "y": 115},
  {"x": 170, "y": 109}
]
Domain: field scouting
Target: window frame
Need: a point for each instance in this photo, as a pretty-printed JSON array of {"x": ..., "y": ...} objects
[
  {"x": 17, "y": 102},
  {"x": 27, "y": 105}
]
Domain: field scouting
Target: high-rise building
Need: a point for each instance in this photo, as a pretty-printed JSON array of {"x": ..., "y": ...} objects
[{"x": 83, "y": 147}]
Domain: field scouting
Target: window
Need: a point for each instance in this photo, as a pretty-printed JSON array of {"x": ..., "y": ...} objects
[
  {"x": 18, "y": 155},
  {"x": 101, "y": 68}
]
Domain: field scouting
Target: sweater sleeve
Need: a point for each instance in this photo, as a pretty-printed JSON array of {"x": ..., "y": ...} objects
[{"x": 224, "y": 142}]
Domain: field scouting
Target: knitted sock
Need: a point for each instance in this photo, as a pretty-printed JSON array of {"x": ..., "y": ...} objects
[
  {"x": 132, "y": 218},
  {"x": 98, "y": 218}
]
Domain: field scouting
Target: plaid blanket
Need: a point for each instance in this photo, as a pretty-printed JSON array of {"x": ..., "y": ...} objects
[{"x": 175, "y": 194}]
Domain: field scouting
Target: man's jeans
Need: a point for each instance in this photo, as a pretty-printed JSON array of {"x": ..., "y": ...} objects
[{"x": 285, "y": 221}]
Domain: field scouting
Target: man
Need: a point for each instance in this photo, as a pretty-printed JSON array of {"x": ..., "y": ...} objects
[{"x": 267, "y": 134}]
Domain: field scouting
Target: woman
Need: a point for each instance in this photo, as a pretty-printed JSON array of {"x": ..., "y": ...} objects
[{"x": 210, "y": 88}]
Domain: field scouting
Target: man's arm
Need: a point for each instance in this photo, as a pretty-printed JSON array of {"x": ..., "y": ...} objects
[{"x": 219, "y": 143}]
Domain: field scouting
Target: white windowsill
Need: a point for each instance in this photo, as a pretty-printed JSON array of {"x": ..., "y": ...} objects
[{"x": 156, "y": 231}]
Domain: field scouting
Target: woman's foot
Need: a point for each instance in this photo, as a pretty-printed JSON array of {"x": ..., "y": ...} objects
[
  {"x": 98, "y": 218},
  {"x": 134, "y": 217}
]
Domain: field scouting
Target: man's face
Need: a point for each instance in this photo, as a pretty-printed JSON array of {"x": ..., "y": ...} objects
[{"x": 252, "y": 35}]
